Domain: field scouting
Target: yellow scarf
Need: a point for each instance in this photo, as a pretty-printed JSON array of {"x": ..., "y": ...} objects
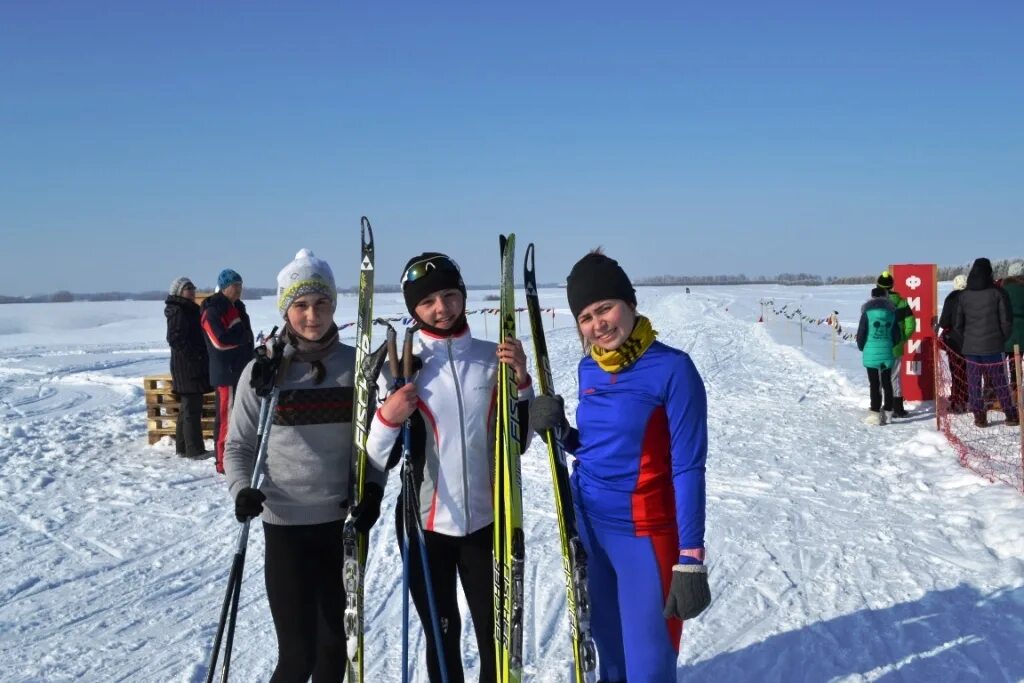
[{"x": 638, "y": 341}]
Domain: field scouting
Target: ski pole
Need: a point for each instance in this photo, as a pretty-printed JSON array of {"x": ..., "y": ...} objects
[
  {"x": 409, "y": 482},
  {"x": 229, "y": 609},
  {"x": 230, "y": 606},
  {"x": 401, "y": 371},
  {"x": 396, "y": 374}
]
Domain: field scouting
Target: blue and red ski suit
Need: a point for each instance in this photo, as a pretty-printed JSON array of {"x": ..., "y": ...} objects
[{"x": 639, "y": 494}]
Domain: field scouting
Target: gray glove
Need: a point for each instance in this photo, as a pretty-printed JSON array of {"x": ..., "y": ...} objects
[
  {"x": 689, "y": 594},
  {"x": 548, "y": 412}
]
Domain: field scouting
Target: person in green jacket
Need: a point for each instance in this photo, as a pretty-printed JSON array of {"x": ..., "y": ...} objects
[
  {"x": 906, "y": 326},
  {"x": 877, "y": 332},
  {"x": 1013, "y": 285}
]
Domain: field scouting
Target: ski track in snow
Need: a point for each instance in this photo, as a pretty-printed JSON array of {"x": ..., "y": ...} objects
[{"x": 837, "y": 551}]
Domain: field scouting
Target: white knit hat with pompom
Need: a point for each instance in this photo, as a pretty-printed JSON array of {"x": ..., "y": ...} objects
[{"x": 306, "y": 274}]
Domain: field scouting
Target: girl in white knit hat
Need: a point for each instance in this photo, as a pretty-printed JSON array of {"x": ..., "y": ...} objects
[{"x": 303, "y": 498}]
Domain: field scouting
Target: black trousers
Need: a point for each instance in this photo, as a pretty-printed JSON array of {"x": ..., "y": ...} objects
[
  {"x": 188, "y": 428},
  {"x": 307, "y": 600},
  {"x": 881, "y": 377},
  {"x": 470, "y": 559}
]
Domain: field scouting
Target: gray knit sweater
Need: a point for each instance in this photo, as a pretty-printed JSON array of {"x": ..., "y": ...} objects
[{"x": 310, "y": 449}]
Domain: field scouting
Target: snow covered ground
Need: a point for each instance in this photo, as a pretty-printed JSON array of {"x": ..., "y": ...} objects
[{"x": 837, "y": 551}]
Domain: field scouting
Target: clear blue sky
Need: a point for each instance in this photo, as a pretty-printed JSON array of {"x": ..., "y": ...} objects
[{"x": 140, "y": 141}]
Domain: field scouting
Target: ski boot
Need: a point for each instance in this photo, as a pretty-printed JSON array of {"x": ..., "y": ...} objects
[{"x": 897, "y": 407}]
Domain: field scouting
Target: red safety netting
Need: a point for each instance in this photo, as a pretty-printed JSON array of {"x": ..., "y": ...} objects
[{"x": 974, "y": 402}]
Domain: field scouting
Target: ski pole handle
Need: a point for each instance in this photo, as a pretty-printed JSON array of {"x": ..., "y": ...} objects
[
  {"x": 393, "y": 362},
  {"x": 407, "y": 353}
]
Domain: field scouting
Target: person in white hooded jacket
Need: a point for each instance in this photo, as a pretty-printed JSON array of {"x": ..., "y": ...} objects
[{"x": 451, "y": 402}]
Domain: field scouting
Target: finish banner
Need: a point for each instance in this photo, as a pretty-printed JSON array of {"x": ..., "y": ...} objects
[{"x": 918, "y": 284}]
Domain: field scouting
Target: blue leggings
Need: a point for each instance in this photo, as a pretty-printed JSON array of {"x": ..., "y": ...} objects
[{"x": 629, "y": 577}]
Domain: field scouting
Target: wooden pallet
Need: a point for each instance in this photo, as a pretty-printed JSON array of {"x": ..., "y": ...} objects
[
  {"x": 163, "y": 406},
  {"x": 171, "y": 410}
]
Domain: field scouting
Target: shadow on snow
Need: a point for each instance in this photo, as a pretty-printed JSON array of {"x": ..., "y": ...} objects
[{"x": 956, "y": 634}]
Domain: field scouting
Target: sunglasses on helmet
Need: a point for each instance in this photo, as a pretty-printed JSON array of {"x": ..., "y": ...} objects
[{"x": 421, "y": 269}]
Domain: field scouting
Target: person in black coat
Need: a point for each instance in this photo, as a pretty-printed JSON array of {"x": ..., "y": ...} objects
[
  {"x": 954, "y": 342},
  {"x": 189, "y": 366},
  {"x": 984, "y": 319}
]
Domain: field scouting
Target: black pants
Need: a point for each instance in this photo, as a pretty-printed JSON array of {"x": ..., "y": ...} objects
[
  {"x": 471, "y": 559},
  {"x": 188, "y": 429},
  {"x": 307, "y": 600},
  {"x": 883, "y": 377}
]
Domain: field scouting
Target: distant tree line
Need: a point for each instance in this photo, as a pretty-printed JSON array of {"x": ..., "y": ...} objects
[
  {"x": 781, "y": 278},
  {"x": 64, "y": 296},
  {"x": 945, "y": 274}
]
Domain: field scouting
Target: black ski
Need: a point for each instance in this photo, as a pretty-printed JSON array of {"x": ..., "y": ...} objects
[{"x": 354, "y": 543}]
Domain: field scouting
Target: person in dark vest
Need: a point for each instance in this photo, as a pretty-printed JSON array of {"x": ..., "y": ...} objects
[
  {"x": 954, "y": 342},
  {"x": 984, "y": 319},
  {"x": 230, "y": 342},
  {"x": 190, "y": 371},
  {"x": 877, "y": 333}
]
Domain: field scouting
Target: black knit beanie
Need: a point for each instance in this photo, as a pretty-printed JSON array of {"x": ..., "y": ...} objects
[
  {"x": 441, "y": 273},
  {"x": 595, "y": 277},
  {"x": 885, "y": 280}
]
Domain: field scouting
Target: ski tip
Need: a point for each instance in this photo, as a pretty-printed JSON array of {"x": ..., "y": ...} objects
[{"x": 528, "y": 259}]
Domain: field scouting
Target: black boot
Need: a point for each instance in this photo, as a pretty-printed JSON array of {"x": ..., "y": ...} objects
[
  {"x": 980, "y": 419},
  {"x": 897, "y": 407}
]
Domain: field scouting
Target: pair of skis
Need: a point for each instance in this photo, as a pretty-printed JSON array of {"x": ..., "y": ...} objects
[
  {"x": 574, "y": 559},
  {"x": 509, "y": 543},
  {"x": 354, "y": 544}
]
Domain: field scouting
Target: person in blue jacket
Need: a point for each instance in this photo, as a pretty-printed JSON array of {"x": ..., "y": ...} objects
[
  {"x": 877, "y": 333},
  {"x": 638, "y": 486}
]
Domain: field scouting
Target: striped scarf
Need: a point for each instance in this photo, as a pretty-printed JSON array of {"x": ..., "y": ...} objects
[{"x": 638, "y": 341}]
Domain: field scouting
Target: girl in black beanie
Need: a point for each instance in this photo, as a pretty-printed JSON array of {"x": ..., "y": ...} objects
[{"x": 638, "y": 478}]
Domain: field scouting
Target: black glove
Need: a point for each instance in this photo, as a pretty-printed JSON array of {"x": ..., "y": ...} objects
[
  {"x": 548, "y": 412},
  {"x": 248, "y": 503},
  {"x": 365, "y": 514},
  {"x": 267, "y": 358},
  {"x": 689, "y": 594},
  {"x": 264, "y": 374}
]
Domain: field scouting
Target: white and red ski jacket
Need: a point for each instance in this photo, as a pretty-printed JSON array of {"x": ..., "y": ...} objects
[{"x": 453, "y": 431}]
